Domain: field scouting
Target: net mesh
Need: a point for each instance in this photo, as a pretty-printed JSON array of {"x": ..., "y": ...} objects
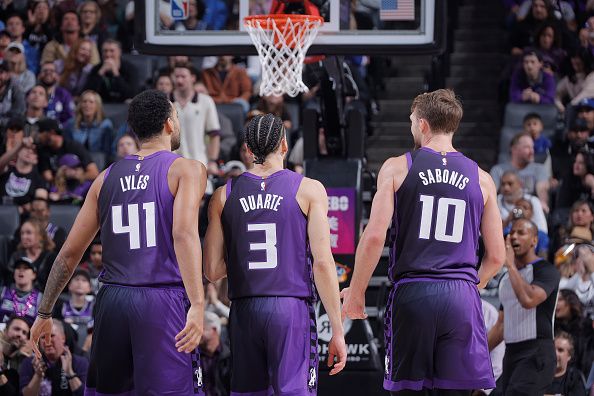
[{"x": 282, "y": 42}]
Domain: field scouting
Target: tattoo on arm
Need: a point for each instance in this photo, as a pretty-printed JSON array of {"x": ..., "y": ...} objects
[{"x": 56, "y": 282}]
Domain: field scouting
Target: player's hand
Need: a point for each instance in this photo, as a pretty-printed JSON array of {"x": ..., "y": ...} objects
[
  {"x": 188, "y": 339},
  {"x": 353, "y": 304},
  {"x": 42, "y": 328},
  {"x": 337, "y": 351}
]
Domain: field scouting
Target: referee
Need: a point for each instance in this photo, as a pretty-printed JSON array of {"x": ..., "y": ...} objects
[{"x": 528, "y": 293}]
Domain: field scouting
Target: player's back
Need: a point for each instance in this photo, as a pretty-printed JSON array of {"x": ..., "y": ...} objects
[
  {"x": 136, "y": 214},
  {"x": 267, "y": 252},
  {"x": 437, "y": 217}
]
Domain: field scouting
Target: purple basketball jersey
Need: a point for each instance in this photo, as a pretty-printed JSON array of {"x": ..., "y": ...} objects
[
  {"x": 136, "y": 213},
  {"x": 267, "y": 251},
  {"x": 437, "y": 217}
]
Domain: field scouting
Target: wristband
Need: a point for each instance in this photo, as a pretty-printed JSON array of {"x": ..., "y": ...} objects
[{"x": 44, "y": 315}]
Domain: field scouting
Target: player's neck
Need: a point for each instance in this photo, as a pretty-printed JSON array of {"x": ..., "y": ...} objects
[
  {"x": 438, "y": 142},
  {"x": 150, "y": 147},
  {"x": 271, "y": 165}
]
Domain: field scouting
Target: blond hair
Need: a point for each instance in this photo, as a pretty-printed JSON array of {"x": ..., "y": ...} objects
[
  {"x": 99, "y": 114},
  {"x": 441, "y": 109},
  {"x": 46, "y": 243}
]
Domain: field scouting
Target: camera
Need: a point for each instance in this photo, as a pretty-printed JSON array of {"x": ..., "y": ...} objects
[{"x": 517, "y": 213}]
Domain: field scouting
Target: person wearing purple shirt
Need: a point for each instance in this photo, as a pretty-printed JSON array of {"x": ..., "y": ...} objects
[
  {"x": 264, "y": 228},
  {"x": 60, "y": 104},
  {"x": 435, "y": 334},
  {"x": 530, "y": 83},
  {"x": 148, "y": 317}
]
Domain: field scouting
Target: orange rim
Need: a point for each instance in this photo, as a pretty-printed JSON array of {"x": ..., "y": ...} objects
[{"x": 281, "y": 19}]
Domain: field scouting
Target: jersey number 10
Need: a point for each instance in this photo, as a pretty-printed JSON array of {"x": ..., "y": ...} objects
[
  {"x": 133, "y": 227},
  {"x": 443, "y": 211}
]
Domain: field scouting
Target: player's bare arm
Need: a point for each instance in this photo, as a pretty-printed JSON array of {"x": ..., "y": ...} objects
[
  {"x": 372, "y": 241},
  {"x": 491, "y": 230},
  {"x": 83, "y": 231},
  {"x": 214, "y": 243},
  {"x": 187, "y": 181},
  {"x": 313, "y": 200}
]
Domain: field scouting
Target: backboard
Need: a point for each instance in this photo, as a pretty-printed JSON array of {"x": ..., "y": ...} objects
[{"x": 360, "y": 27}]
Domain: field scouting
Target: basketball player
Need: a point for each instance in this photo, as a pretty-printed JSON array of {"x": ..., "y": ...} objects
[
  {"x": 261, "y": 228},
  {"x": 435, "y": 335},
  {"x": 147, "y": 327}
]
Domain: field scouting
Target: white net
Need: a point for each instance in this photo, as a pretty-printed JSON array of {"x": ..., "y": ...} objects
[{"x": 282, "y": 46}]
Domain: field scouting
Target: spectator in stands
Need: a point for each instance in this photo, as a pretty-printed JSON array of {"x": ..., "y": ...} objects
[
  {"x": 59, "y": 47},
  {"x": 194, "y": 21},
  {"x": 21, "y": 183},
  {"x": 216, "y": 14},
  {"x": 172, "y": 61},
  {"x": 585, "y": 111},
  {"x": 567, "y": 380},
  {"x": 55, "y": 145},
  {"x": 35, "y": 108},
  {"x": 14, "y": 133},
  {"x": 78, "y": 308},
  {"x": 76, "y": 67},
  {"x": 528, "y": 293},
  {"x": 227, "y": 83},
  {"x": 60, "y": 104},
  {"x": 530, "y": 83},
  {"x": 40, "y": 211},
  {"x": 534, "y": 126},
  {"x": 563, "y": 151},
  {"x": 15, "y": 348},
  {"x": 523, "y": 33},
  {"x": 548, "y": 43},
  {"x": 63, "y": 374},
  {"x": 580, "y": 184},
  {"x": 215, "y": 358},
  {"x": 39, "y": 30},
  {"x": 115, "y": 80},
  {"x": 213, "y": 304},
  {"x": 4, "y": 41},
  {"x": 534, "y": 176},
  {"x": 91, "y": 27},
  {"x": 127, "y": 145},
  {"x": 569, "y": 318},
  {"x": 275, "y": 104},
  {"x": 198, "y": 118},
  {"x": 510, "y": 192},
  {"x": 15, "y": 26},
  {"x": 12, "y": 98},
  {"x": 164, "y": 83},
  {"x": 582, "y": 281},
  {"x": 578, "y": 84},
  {"x": 21, "y": 298},
  {"x": 36, "y": 246},
  {"x": 89, "y": 126},
  {"x": 94, "y": 264},
  {"x": 563, "y": 10},
  {"x": 523, "y": 210},
  {"x": 70, "y": 184},
  {"x": 15, "y": 57}
]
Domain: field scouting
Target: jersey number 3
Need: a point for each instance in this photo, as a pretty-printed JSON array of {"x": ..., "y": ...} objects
[
  {"x": 441, "y": 224},
  {"x": 269, "y": 246},
  {"x": 133, "y": 227}
]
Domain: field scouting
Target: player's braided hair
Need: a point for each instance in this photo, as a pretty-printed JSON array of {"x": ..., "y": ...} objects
[{"x": 263, "y": 136}]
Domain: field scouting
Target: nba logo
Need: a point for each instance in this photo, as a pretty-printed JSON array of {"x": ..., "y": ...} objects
[{"x": 179, "y": 9}]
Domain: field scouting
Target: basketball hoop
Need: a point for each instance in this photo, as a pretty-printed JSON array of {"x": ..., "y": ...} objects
[{"x": 282, "y": 40}]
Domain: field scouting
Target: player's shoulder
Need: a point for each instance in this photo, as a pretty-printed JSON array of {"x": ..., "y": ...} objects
[
  {"x": 312, "y": 187},
  {"x": 185, "y": 166}
]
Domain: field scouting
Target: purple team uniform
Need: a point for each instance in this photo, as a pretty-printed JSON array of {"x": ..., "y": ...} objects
[
  {"x": 272, "y": 321},
  {"x": 435, "y": 334},
  {"x": 143, "y": 304}
]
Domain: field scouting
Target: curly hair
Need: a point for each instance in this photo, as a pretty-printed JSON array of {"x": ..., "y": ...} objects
[
  {"x": 46, "y": 243},
  {"x": 148, "y": 112}
]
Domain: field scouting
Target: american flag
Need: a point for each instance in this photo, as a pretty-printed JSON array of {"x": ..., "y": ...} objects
[{"x": 397, "y": 10}]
